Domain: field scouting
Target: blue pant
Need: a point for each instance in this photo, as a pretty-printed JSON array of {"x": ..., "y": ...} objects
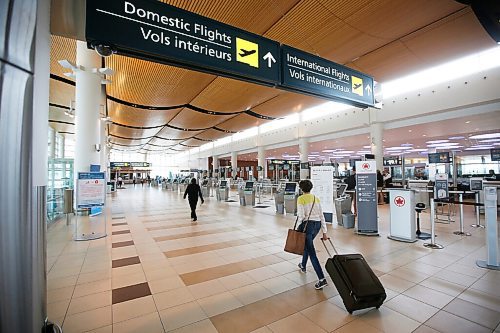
[{"x": 312, "y": 230}]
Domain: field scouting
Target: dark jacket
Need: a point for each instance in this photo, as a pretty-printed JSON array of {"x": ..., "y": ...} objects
[
  {"x": 351, "y": 182},
  {"x": 193, "y": 191},
  {"x": 380, "y": 180}
]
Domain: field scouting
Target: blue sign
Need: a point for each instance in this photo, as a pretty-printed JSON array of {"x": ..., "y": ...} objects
[
  {"x": 95, "y": 168},
  {"x": 91, "y": 175}
]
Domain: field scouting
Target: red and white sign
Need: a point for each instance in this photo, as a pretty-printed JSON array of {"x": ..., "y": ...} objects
[
  {"x": 366, "y": 167},
  {"x": 399, "y": 201}
]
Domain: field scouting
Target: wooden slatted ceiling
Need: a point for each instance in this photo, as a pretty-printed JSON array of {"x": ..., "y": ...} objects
[
  {"x": 61, "y": 48},
  {"x": 131, "y": 132},
  {"x": 229, "y": 95},
  {"x": 148, "y": 83},
  {"x": 172, "y": 133},
  {"x": 386, "y": 38},
  {"x": 131, "y": 116},
  {"x": 256, "y": 16}
]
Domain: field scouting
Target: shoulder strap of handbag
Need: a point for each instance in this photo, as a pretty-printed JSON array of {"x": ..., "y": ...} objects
[{"x": 309, "y": 216}]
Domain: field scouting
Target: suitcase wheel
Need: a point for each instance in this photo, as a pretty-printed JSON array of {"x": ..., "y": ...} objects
[
  {"x": 378, "y": 307},
  {"x": 350, "y": 312}
]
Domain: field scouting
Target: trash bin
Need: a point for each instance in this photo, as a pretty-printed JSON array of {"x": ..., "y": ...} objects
[
  {"x": 68, "y": 201},
  {"x": 348, "y": 220},
  {"x": 342, "y": 206}
]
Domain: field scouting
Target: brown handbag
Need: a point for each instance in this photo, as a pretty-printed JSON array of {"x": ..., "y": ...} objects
[{"x": 296, "y": 240}]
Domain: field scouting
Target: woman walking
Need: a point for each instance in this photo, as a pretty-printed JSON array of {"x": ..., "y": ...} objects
[
  {"x": 310, "y": 213},
  {"x": 193, "y": 190}
]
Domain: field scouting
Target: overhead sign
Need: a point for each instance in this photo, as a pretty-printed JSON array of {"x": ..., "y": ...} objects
[
  {"x": 495, "y": 154},
  {"x": 160, "y": 32},
  {"x": 114, "y": 165},
  {"x": 316, "y": 76}
]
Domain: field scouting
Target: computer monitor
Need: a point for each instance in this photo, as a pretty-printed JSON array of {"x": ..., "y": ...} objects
[
  {"x": 223, "y": 183},
  {"x": 248, "y": 185},
  {"x": 443, "y": 157},
  {"x": 476, "y": 184},
  {"x": 290, "y": 187},
  {"x": 341, "y": 190}
]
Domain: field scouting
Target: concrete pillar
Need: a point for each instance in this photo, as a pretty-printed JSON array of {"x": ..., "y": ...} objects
[
  {"x": 88, "y": 99},
  {"x": 234, "y": 163},
  {"x": 103, "y": 154},
  {"x": 52, "y": 153},
  {"x": 261, "y": 161},
  {"x": 304, "y": 156},
  {"x": 377, "y": 145}
]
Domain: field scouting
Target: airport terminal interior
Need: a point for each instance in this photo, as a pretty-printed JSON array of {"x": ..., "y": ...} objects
[{"x": 113, "y": 111}]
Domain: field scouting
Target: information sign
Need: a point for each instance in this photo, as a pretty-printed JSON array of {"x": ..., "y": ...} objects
[
  {"x": 366, "y": 196},
  {"x": 495, "y": 154},
  {"x": 392, "y": 160},
  {"x": 441, "y": 186},
  {"x": 91, "y": 189},
  {"x": 316, "y": 76},
  {"x": 322, "y": 180},
  {"x": 164, "y": 33}
]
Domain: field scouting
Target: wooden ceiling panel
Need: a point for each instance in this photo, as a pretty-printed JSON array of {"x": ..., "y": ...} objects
[
  {"x": 256, "y": 16},
  {"x": 287, "y": 103},
  {"x": 131, "y": 132},
  {"x": 344, "y": 9},
  {"x": 61, "y": 93},
  {"x": 194, "y": 143},
  {"x": 457, "y": 38},
  {"x": 61, "y": 48},
  {"x": 131, "y": 116},
  {"x": 299, "y": 23},
  {"x": 228, "y": 95},
  {"x": 173, "y": 133},
  {"x": 241, "y": 122},
  {"x": 405, "y": 16},
  {"x": 211, "y": 134},
  {"x": 152, "y": 84},
  {"x": 192, "y": 119}
]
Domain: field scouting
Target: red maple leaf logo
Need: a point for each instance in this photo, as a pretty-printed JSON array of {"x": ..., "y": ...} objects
[
  {"x": 399, "y": 201},
  {"x": 366, "y": 166}
]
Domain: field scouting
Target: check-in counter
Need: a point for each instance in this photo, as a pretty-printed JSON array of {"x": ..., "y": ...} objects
[
  {"x": 290, "y": 198},
  {"x": 222, "y": 191},
  {"x": 247, "y": 194}
]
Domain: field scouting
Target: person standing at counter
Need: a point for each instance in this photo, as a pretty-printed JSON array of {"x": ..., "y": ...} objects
[
  {"x": 351, "y": 186},
  {"x": 380, "y": 187}
]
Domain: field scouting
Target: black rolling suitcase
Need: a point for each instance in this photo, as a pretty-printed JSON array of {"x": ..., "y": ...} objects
[{"x": 356, "y": 283}]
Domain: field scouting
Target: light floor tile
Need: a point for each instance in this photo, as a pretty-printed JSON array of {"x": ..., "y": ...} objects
[
  {"x": 278, "y": 284},
  {"x": 388, "y": 320},
  {"x": 251, "y": 293},
  {"x": 220, "y": 303},
  {"x": 172, "y": 298},
  {"x": 395, "y": 283},
  {"x": 57, "y": 309},
  {"x": 92, "y": 288},
  {"x": 448, "y": 323},
  {"x": 411, "y": 308},
  {"x": 89, "y": 320},
  {"x": 205, "y": 289},
  {"x": 161, "y": 285},
  {"x": 477, "y": 297},
  {"x": 149, "y": 323},
  {"x": 134, "y": 308},
  {"x": 357, "y": 326},
  {"x": 295, "y": 323},
  {"x": 328, "y": 316},
  {"x": 236, "y": 280},
  {"x": 429, "y": 296},
  {"x": 443, "y": 286},
  {"x": 89, "y": 302},
  {"x": 182, "y": 315},
  {"x": 204, "y": 326},
  {"x": 473, "y": 312}
]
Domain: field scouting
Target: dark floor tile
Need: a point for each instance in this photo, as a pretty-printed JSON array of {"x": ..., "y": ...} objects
[
  {"x": 126, "y": 262},
  {"x": 131, "y": 292},
  {"x": 120, "y": 232},
  {"x": 121, "y": 244}
]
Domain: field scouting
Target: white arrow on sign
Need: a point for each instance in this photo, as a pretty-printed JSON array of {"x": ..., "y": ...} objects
[
  {"x": 368, "y": 89},
  {"x": 270, "y": 59}
]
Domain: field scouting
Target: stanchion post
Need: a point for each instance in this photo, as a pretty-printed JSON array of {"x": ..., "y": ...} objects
[
  {"x": 432, "y": 244},
  {"x": 461, "y": 232},
  {"x": 490, "y": 211},
  {"x": 478, "y": 216}
]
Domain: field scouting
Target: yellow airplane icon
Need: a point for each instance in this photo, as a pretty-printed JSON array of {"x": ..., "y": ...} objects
[
  {"x": 247, "y": 52},
  {"x": 357, "y": 85}
]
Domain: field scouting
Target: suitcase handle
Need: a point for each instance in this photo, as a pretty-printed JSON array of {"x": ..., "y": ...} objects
[{"x": 333, "y": 246}]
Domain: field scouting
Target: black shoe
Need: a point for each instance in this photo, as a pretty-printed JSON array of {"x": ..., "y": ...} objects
[
  {"x": 321, "y": 284},
  {"x": 302, "y": 268},
  {"x": 195, "y": 219}
]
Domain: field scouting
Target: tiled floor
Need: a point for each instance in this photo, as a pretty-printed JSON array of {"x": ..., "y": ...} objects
[{"x": 158, "y": 272}]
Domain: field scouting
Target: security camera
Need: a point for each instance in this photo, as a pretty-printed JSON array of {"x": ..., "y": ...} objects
[
  {"x": 102, "y": 49},
  {"x": 97, "y": 147}
]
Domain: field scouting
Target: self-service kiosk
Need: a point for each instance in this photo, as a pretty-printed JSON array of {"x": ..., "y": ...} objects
[
  {"x": 205, "y": 188},
  {"x": 279, "y": 199},
  {"x": 290, "y": 198},
  {"x": 222, "y": 192},
  {"x": 247, "y": 194}
]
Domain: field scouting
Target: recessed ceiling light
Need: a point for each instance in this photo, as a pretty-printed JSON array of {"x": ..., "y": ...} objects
[
  {"x": 410, "y": 131},
  {"x": 456, "y": 137},
  {"x": 424, "y": 135},
  {"x": 467, "y": 122},
  {"x": 485, "y": 136},
  {"x": 437, "y": 141}
]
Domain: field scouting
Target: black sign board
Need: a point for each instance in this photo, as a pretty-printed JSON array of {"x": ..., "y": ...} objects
[
  {"x": 156, "y": 31},
  {"x": 392, "y": 160},
  {"x": 316, "y": 76},
  {"x": 304, "y": 166},
  {"x": 113, "y": 165},
  {"x": 443, "y": 157},
  {"x": 352, "y": 162},
  {"x": 495, "y": 154}
]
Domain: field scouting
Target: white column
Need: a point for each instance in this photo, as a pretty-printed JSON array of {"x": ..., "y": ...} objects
[
  {"x": 215, "y": 165},
  {"x": 376, "y": 137},
  {"x": 234, "y": 163},
  {"x": 88, "y": 97},
  {"x": 261, "y": 161},
  {"x": 103, "y": 137},
  {"x": 52, "y": 153},
  {"x": 304, "y": 156}
]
